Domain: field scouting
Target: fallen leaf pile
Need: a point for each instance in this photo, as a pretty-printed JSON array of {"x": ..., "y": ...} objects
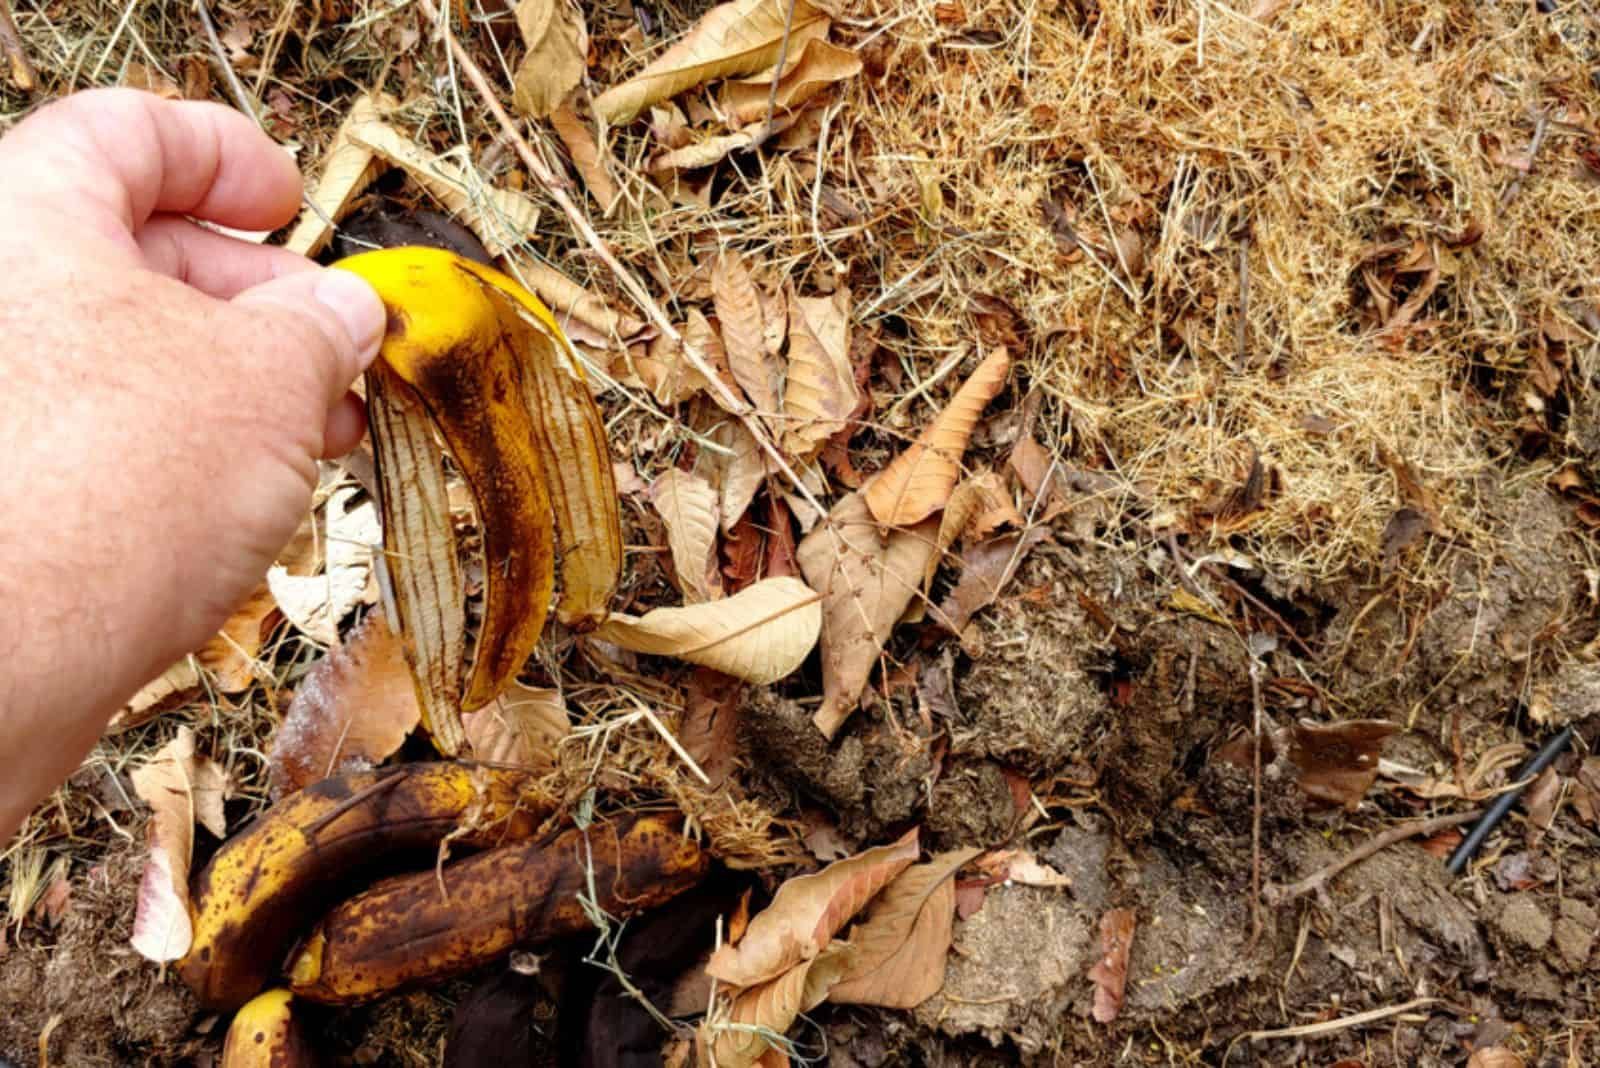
[{"x": 872, "y": 929}]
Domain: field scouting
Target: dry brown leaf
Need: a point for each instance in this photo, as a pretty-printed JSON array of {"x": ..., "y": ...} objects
[
  {"x": 819, "y": 391},
  {"x": 902, "y": 942},
  {"x": 1021, "y": 866},
  {"x": 808, "y": 911},
  {"x": 347, "y": 167},
  {"x": 1494, "y": 1057},
  {"x": 1338, "y": 762},
  {"x": 182, "y": 788},
  {"x": 866, "y": 578},
  {"x": 585, "y": 153},
  {"x": 315, "y": 604},
  {"x": 738, "y": 304},
  {"x": 688, "y": 507},
  {"x": 703, "y": 153},
  {"x": 354, "y": 708},
  {"x": 1110, "y": 973},
  {"x": 985, "y": 570},
  {"x": 553, "y": 66},
  {"x": 760, "y": 634},
  {"x": 709, "y": 729},
  {"x": 818, "y": 66},
  {"x": 736, "y": 474},
  {"x": 980, "y": 504},
  {"x": 771, "y": 1008},
  {"x": 583, "y": 317},
  {"x": 918, "y": 482},
  {"x": 501, "y": 218},
  {"x": 173, "y": 688},
  {"x": 523, "y": 726},
  {"x": 732, "y": 39}
]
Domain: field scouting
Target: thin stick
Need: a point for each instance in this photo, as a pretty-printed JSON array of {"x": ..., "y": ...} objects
[
  {"x": 1240, "y": 331},
  {"x": 23, "y": 75},
  {"x": 1255, "y": 815},
  {"x": 783, "y": 56},
  {"x": 553, "y": 186},
  {"x": 1278, "y": 894},
  {"x": 1342, "y": 1024},
  {"x": 1539, "y": 129}
]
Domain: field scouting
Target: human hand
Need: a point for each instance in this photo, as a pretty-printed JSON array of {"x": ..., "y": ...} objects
[{"x": 167, "y": 392}]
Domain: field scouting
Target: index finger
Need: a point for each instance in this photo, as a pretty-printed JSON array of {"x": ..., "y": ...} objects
[{"x": 134, "y": 155}]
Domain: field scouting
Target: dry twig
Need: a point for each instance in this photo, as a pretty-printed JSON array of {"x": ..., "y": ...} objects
[
  {"x": 23, "y": 76},
  {"x": 1278, "y": 894}
]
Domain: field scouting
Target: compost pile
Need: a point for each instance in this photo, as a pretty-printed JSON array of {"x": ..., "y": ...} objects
[{"x": 1104, "y": 498}]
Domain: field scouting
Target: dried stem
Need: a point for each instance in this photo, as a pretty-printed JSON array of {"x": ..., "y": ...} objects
[
  {"x": 23, "y": 76},
  {"x": 1278, "y": 894}
]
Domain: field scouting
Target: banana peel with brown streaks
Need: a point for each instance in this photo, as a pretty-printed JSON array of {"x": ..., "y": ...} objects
[
  {"x": 473, "y": 357},
  {"x": 420, "y": 928}
]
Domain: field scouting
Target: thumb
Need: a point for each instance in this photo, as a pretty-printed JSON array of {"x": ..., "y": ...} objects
[{"x": 335, "y": 317}]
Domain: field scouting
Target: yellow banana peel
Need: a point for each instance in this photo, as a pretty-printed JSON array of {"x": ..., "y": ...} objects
[
  {"x": 265, "y": 1034},
  {"x": 472, "y": 356}
]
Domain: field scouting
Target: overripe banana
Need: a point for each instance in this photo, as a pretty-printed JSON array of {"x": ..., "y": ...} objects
[
  {"x": 265, "y": 1034},
  {"x": 472, "y": 355},
  {"x": 428, "y": 926},
  {"x": 268, "y": 883}
]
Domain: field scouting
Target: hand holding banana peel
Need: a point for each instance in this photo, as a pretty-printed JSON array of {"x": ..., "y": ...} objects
[{"x": 209, "y": 374}]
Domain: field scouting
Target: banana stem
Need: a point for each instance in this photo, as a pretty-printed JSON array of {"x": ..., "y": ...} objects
[{"x": 641, "y": 296}]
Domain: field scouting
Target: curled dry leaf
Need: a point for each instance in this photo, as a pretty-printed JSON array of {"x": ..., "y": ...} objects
[
  {"x": 181, "y": 787},
  {"x": 759, "y": 635},
  {"x": 1021, "y": 866},
  {"x": 817, "y": 66},
  {"x": 867, "y": 578},
  {"x": 585, "y": 153},
  {"x": 819, "y": 392},
  {"x": 1110, "y": 973},
  {"x": 582, "y": 315},
  {"x": 732, "y": 39},
  {"x": 918, "y": 482},
  {"x": 738, "y": 304},
  {"x": 521, "y": 727},
  {"x": 1338, "y": 762},
  {"x": 353, "y": 709},
  {"x": 315, "y": 604},
  {"x": 365, "y": 143},
  {"x": 1494, "y": 1057},
  {"x": 979, "y": 504},
  {"x": 985, "y": 570},
  {"x": 173, "y": 688},
  {"x": 688, "y": 507},
  {"x": 771, "y": 1008},
  {"x": 903, "y": 940},
  {"x": 807, "y": 912},
  {"x": 553, "y": 66},
  {"x": 738, "y": 473}
]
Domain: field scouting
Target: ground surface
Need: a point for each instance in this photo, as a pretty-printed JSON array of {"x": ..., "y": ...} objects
[{"x": 1304, "y": 301}]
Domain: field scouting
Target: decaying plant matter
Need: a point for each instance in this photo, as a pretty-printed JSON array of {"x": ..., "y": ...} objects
[
  {"x": 265, "y": 1034},
  {"x": 428, "y": 926},
  {"x": 472, "y": 355},
  {"x": 304, "y": 853}
]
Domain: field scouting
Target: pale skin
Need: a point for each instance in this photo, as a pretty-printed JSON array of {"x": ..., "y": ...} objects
[{"x": 165, "y": 394}]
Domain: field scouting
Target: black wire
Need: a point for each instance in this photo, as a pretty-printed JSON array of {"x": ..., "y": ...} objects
[{"x": 1502, "y": 804}]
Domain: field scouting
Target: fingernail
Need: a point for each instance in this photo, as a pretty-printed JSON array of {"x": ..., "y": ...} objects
[{"x": 358, "y": 308}]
